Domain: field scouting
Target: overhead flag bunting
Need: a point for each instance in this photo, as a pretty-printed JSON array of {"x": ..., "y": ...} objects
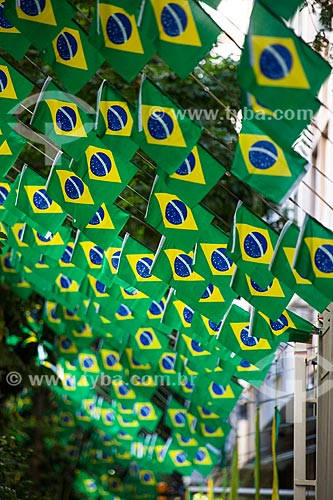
[
  {"x": 150, "y": 347},
  {"x": 30, "y": 197},
  {"x": 289, "y": 327},
  {"x": 11, "y": 146},
  {"x": 135, "y": 268},
  {"x": 114, "y": 120}
]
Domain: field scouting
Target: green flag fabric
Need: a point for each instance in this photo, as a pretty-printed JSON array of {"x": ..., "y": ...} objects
[
  {"x": 62, "y": 120},
  {"x": 70, "y": 192},
  {"x": 251, "y": 245},
  {"x": 162, "y": 129},
  {"x": 265, "y": 166},
  {"x": 71, "y": 57},
  {"x": 125, "y": 42},
  {"x": 281, "y": 267},
  {"x": 313, "y": 256},
  {"x": 39, "y": 21},
  {"x": 103, "y": 168},
  {"x": 14, "y": 88},
  {"x": 278, "y": 67},
  {"x": 235, "y": 335},
  {"x": 285, "y": 8},
  {"x": 11, "y": 145},
  {"x": 11, "y": 40},
  {"x": 289, "y": 327},
  {"x": 114, "y": 121},
  {"x": 271, "y": 300},
  {"x": 181, "y": 225},
  {"x": 30, "y": 197},
  {"x": 195, "y": 177},
  {"x": 105, "y": 225},
  {"x": 135, "y": 268},
  {"x": 186, "y": 34}
]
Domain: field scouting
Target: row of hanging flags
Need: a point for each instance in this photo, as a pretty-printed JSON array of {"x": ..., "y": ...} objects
[{"x": 171, "y": 312}]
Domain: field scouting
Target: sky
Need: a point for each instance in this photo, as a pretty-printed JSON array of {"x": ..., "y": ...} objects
[{"x": 233, "y": 17}]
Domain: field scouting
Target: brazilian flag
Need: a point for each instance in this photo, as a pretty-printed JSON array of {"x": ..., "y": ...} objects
[
  {"x": 206, "y": 330},
  {"x": 111, "y": 262},
  {"x": 289, "y": 327},
  {"x": 5, "y": 189},
  {"x": 135, "y": 268},
  {"x": 282, "y": 267},
  {"x": 249, "y": 372},
  {"x": 39, "y": 20},
  {"x": 105, "y": 225},
  {"x": 63, "y": 119},
  {"x": 177, "y": 315},
  {"x": 251, "y": 245},
  {"x": 48, "y": 244},
  {"x": 102, "y": 168},
  {"x": 195, "y": 177},
  {"x": 30, "y": 197},
  {"x": 181, "y": 225},
  {"x": 284, "y": 129},
  {"x": 148, "y": 414},
  {"x": 277, "y": 67},
  {"x": 88, "y": 256},
  {"x": 11, "y": 39},
  {"x": 14, "y": 88},
  {"x": 71, "y": 57},
  {"x": 114, "y": 121},
  {"x": 11, "y": 145},
  {"x": 261, "y": 163},
  {"x": 236, "y": 336},
  {"x": 186, "y": 34},
  {"x": 71, "y": 193},
  {"x": 313, "y": 258},
  {"x": 198, "y": 357},
  {"x": 212, "y": 262},
  {"x": 271, "y": 300},
  {"x": 125, "y": 38},
  {"x": 162, "y": 129}
]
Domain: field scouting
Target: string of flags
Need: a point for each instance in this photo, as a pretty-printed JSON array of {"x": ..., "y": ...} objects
[{"x": 144, "y": 337}]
